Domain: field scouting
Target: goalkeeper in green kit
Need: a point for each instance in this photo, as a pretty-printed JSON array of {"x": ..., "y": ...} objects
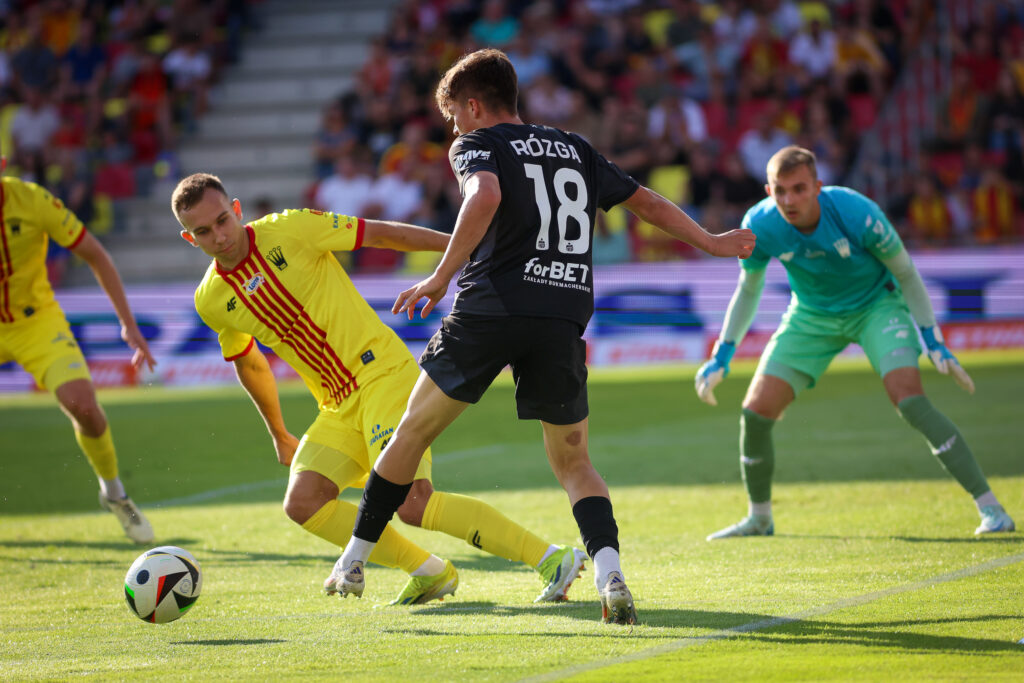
[{"x": 852, "y": 282}]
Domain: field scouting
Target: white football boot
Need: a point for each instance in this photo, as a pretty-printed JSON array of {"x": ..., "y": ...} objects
[
  {"x": 134, "y": 523},
  {"x": 346, "y": 581},
  {"x": 617, "y": 602},
  {"x": 751, "y": 525},
  {"x": 994, "y": 519}
]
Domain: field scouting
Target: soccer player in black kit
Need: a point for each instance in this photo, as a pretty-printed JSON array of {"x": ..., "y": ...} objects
[{"x": 525, "y": 297}]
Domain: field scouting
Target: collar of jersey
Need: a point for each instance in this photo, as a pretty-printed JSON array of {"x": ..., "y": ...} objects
[{"x": 252, "y": 248}]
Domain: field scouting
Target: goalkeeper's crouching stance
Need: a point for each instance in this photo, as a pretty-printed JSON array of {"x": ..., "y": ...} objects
[{"x": 852, "y": 282}]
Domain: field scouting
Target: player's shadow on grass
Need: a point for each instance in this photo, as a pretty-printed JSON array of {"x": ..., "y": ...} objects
[
  {"x": 489, "y": 563},
  {"x": 875, "y": 634},
  {"x": 1001, "y": 539},
  {"x": 1004, "y": 539},
  {"x": 582, "y": 611},
  {"x": 235, "y": 557},
  {"x": 229, "y": 641},
  {"x": 88, "y": 545},
  {"x": 718, "y": 626}
]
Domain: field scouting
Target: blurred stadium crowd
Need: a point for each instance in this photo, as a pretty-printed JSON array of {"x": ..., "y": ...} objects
[
  {"x": 94, "y": 94},
  {"x": 689, "y": 96}
]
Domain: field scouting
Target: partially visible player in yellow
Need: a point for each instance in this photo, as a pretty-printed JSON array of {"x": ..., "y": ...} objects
[
  {"x": 277, "y": 281},
  {"x": 35, "y": 334}
]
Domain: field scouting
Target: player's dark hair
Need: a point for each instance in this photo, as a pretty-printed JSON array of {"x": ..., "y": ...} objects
[
  {"x": 486, "y": 75},
  {"x": 790, "y": 158},
  {"x": 190, "y": 190}
]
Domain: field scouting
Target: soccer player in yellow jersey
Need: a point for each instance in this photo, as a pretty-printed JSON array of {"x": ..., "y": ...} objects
[
  {"x": 275, "y": 280},
  {"x": 35, "y": 334}
]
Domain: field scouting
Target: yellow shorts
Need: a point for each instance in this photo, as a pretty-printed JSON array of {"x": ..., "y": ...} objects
[
  {"x": 44, "y": 346},
  {"x": 343, "y": 445}
]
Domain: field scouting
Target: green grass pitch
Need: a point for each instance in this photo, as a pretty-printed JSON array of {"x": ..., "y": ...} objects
[{"x": 874, "y": 573}]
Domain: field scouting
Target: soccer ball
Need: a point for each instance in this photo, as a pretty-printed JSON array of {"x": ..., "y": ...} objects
[{"x": 162, "y": 584}]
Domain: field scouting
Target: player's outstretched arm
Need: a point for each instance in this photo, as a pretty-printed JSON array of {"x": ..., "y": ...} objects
[
  {"x": 92, "y": 252},
  {"x": 652, "y": 208},
  {"x": 711, "y": 374},
  {"x": 255, "y": 375},
  {"x": 738, "y": 318},
  {"x": 944, "y": 360},
  {"x": 903, "y": 269},
  {"x": 483, "y": 195},
  {"x": 403, "y": 236}
]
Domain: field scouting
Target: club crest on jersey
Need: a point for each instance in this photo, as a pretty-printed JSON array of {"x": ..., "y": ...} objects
[
  {"x": 843, "y": 247},
  {"x": 462, "y": 160},
  {"x": 276, "y": 256},
  {"x": 787, "y": 257},
  {"x": 254, "y": 283}
]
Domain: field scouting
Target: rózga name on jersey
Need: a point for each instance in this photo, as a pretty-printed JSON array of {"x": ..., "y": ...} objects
[{"x": 536, "y": 257}]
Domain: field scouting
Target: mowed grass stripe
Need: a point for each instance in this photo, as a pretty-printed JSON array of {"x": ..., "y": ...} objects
[
  {"x": 226, "y": 491},
  {"x": 764, "y": 624},
  {"x": 653, "y": 436}
]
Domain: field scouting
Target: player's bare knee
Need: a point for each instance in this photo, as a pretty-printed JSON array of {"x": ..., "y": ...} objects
[
  {"x": 571, "y": 466},
  {"x": 89, "y": 417},
  {"x": 306, "y": 494},
  {"x": 414, "y": 434},
  {"x": 411, "y": 511},
  {"x": 299, "y": 509},
  {"x": 78, "y": 400},
  {"x": 902, "y": 383},
  {"x": 765, "y": 406}
]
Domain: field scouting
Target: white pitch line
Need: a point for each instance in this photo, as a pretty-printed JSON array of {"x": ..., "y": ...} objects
[
  {"x": 723, "y": 634},
  {"x": 214, "y": 494}
]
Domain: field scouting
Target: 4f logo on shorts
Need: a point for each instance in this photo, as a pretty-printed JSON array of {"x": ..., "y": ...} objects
[
  {"x": 61, "y": 337},
  {"x": 901, "y": 329},
  {"x": 254, "y": 283}
]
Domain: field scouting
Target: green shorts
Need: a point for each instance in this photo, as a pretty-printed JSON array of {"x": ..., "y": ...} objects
[{"x": 807, "y": 340}]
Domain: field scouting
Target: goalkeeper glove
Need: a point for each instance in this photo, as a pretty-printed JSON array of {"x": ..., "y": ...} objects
[
  {"x": 714, "y": 371},
  {"x": 944, "y": 361}
]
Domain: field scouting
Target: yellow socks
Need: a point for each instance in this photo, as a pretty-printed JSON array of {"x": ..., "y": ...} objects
[
  {"x": 334, "y": 521},
  {"x": 483, "y": 527},
  {"x": 100, "y": 453}
]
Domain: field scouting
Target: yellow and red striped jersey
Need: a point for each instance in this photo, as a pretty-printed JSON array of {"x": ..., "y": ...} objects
[
  {"x": 292, "y": 295},
  {"x": 29, "y": 217}
]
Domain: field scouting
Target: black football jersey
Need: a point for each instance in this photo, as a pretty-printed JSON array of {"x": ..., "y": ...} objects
[{"x": 536, "y": 259}]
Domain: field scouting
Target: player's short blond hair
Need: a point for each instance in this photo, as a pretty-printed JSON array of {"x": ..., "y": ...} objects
[
  {"x": 486, "y": 75},
  {"x": 790, "y": 158},
  {"x": 190, "y": 190}
]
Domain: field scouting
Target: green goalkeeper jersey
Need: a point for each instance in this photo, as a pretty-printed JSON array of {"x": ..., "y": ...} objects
[{"x": 837, "y": 268}]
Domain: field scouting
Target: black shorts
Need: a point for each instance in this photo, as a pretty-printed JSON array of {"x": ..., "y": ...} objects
[{"x": 548, "y": 358}]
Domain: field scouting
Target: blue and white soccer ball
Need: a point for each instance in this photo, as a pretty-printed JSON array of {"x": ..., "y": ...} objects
[{"x": 162, "y": 584}]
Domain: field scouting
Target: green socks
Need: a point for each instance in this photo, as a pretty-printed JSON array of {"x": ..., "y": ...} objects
[
  {"x": 757, "y": 455},
  {"x": 946, "y": 443}
]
